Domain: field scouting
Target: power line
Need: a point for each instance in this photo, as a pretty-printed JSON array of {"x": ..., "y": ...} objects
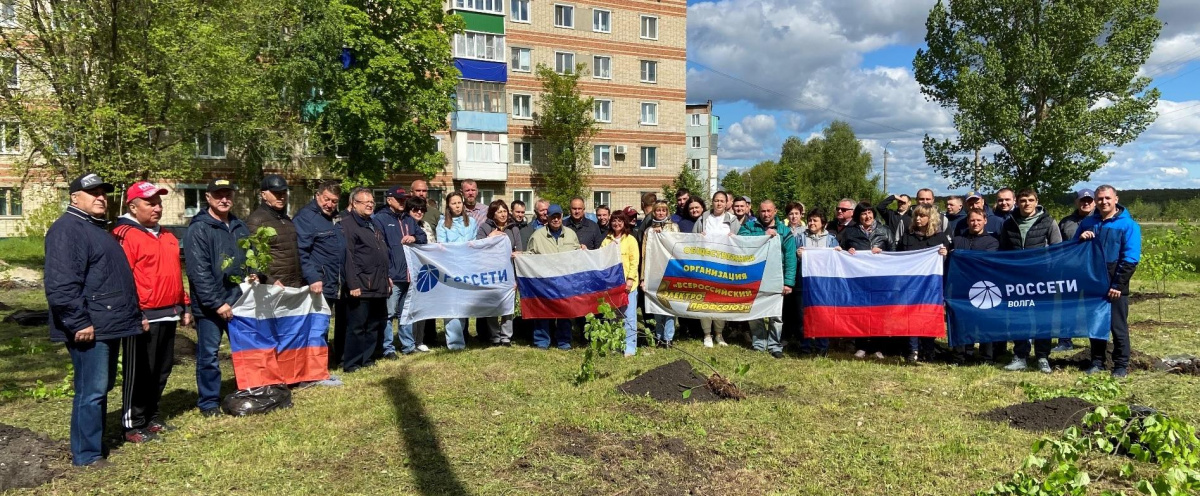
[
  {"x": 1174, "y": 63},
  {"x": 802, "y": 102}
]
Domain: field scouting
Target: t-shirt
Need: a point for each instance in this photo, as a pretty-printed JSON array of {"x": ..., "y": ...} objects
[{"x": 714, "y": 225}]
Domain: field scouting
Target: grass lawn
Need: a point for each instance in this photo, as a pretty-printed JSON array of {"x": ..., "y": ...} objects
[{"x": 510, "y": 421}]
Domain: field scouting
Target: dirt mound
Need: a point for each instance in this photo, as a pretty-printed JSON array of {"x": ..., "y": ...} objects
[
  {"x": 668, "y": 382},
  {"x": 28, "y": 459},
  {"x": 29, "y": 318},
  {"x": 1083, "y": 360},
  {"x": 1047, "y": 415},
  {"x": 1140, "y": 297},
  {"x": 1182, "y": 364},
  {"x": 185, "y": 349}
]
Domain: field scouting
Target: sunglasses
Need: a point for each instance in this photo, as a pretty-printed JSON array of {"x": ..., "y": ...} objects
[
  {"x": 419, "y": 209},
  {"x": 840, "y": 209}
]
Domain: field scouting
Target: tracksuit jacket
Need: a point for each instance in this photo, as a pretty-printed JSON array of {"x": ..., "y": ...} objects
[
  {"x": 1121, "y": 242},
  {"x": 157, "y": 271}
]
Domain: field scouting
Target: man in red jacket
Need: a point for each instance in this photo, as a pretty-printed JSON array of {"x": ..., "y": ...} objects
[{"x": 153, "y": 254}]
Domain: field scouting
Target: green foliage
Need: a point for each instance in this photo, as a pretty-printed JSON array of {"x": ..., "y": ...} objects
[
  {"x": 687, "y": 178},
  {"x": 1166, "y": 257},
  {"x": 605, "y": 335},
  {"x": 824, "y": 170},
  {"x": 38, "y": 222},
  {"x": 1061, "y": 465},
  {"x": 565, "y": 123},
  {"x": 733, "y": 183},
  {"x": 258, "y": 252},
  {"x": 1051, "y": 84},
  {"x": 42, "y": 391},
  {"x": 1098, "y": 389}
]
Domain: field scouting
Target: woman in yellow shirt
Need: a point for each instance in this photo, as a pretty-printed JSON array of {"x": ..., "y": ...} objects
[{"x": 620, "y": 232}]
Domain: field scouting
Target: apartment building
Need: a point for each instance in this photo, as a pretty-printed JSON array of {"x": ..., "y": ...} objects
[
  {"x": 702, "y": 129},
  {"x": 634, "y": 52}
]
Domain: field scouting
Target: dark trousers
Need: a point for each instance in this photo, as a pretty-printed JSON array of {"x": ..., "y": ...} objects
[
  {"x": 792, "y": 324},
  {"x": 1041, "y": 348},
  {"x": 365, "y": 318},
  {"x": 209, "y": 327},
  {"x": 338, "y": 342},
  {"x": 419, "y": 331},
  {"x": 146, "y": 364},
  {"x": 95, "y": 374},
  {"x": 562, "y": 333},
  {"x": 986, "y": 353},
  {"x": 1120, "y": 337}
]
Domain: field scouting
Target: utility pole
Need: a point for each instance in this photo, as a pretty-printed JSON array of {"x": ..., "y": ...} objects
[
  {"x": 976, "y": 170},
  {"x": 885, "y": 155}
]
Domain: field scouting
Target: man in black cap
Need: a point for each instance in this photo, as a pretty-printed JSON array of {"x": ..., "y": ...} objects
[
  {"x": 398, "y": 230},
  {"x": 93, "y": 305},
  {"x": 212, "y": 239},
  {"x": 284, "y": 269}
]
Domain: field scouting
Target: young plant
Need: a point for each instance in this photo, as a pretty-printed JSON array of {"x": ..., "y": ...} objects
[
  {"x": 605, "y": 334},
  {"x": 258, "y": 253},
  {"x": 1167, "y": 258}
]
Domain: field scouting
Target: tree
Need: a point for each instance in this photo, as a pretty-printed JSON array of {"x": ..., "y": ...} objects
[
  {"x": 733, "y": 183},
  {"x": 392, "y": 89},
  {"x": 1049, "y": 83},
  {"x": 760, "y": 181},
  {"x": 686, "y": 179},
  {"x": 825, "y": 169},
  {"x": 564, "y": 122}
]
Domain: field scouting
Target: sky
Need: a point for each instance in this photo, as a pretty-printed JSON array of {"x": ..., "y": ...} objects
[{"x": 780, "y": 68}]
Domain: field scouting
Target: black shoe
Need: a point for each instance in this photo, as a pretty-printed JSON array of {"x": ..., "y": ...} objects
[
  {"x": 159, "y": 427},
  {"x": 99, "y": 464},
  {"x": 777, "y": 354},
  {"x": 668, "y": 344},
  {"x": 1120, "y": 373},
  {"x": 391, "y": 356},
  {"x": 1095, "y": 369},
  {"x": 138, "y": 436},
  {"x": 211, "y": 412}
]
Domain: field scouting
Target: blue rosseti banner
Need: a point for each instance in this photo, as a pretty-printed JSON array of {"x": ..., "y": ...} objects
[{"x": 1055, "y": 292}]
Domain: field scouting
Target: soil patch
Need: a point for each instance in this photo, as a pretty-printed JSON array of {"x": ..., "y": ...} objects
[
  {"x": 185, "y": 349},
  {"x": 1137, "y": 360},
  {"x": 28, "y": 459},
  {"x": 668, "y": 382},
  {"x": 1182, "y": 364},
  {"x": 1140, "y": 297},
  {"x": 1054, "y": 414},
  {"x": 29, "y": 318},
  {"x": 4, "y": 308}
]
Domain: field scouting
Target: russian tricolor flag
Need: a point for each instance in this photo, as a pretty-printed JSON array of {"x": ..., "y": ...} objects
[
  {"x": 278, "y": 336},
  {"x": 872, "y": 295},
  {"x": 570, "y": 284}
]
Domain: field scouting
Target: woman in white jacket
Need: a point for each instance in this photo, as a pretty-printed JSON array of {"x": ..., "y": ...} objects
[{"x": 716, "y": 222}]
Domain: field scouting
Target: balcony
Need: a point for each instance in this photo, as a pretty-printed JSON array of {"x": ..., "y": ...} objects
[
  {"x": 488, "y": 122},
  {"x": 481, "y": 171}
]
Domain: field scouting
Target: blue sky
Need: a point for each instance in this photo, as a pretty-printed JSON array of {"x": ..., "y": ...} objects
[{"x": 779, "y": 68}]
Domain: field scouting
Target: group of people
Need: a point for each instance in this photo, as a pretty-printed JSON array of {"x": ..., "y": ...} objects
[{"x": 124, "y": 289}]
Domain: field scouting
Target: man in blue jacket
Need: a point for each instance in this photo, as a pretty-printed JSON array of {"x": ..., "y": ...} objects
[
  {"x": 398, "y": 230},
  {"x": 1121, "y": 239},
  {"x": 770, "y": 339},
  {"x": 322, "y": 247},
  {"x": 93, "y": 305},
  {"x": 214, "y": 270}
]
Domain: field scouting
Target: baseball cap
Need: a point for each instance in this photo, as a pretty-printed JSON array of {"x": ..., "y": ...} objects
[
  {"x": 274, "y": 182},
  {"x": 631, "y": 212},
  {"x": 555, "y": 209},
  {"x": 746, "y": 199},
  {"x": 397, "y": 193},
  {"x": 973, "y": 196},
  {"x": 1085, "y": 193},
  {"x": 220, "y": 184},
  {"x": 144, "y": 190},
  {"x": 90, "y": 181}
]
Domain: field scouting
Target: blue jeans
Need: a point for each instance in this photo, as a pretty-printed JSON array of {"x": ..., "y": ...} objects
[
  {"x": 767, "y": 337},
  {"x": 562, "y": 333},
  {"x": 664, "y": 327},
  {"x": 631, "y": 327},
  {"x": 456, "y": 330},
  {"x": 209, "y": 327},
  {"x": 95, "y": 374},
  {"x": 395, "y": 306}
]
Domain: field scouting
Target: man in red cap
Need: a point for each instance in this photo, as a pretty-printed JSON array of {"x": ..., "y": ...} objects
[{"x": 153, "y": 255}]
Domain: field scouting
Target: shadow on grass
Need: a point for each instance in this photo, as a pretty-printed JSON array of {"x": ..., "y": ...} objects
[{"x": 428, "y": 463}]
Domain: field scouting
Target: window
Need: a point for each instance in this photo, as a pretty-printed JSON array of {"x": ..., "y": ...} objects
[
  {"x": 210, "y": 144},
  {"x": 521, "y": 107},
  {"x": 8, "y": 12},
  {"x": 649, "y": 114},
  {"x": 478, "y": 96},
  {"x": 485, "y": 147},
  {"x": 194, "y": 201},
  {"x": 603, "y": 110},
  {"x": 649, "y": 27},
  {"x": 601, "y": 21},
  {"x": 10, "y": 138},
  {"x": 10, "y": 201},
  {"x": 602, "y": 67},
  {"x": 696, "y": 119},
  {"x": 519, "y": 11},
  {"x": 564, "y": 62},
  {"x": 12, "y": 70},
  {"x": 521, "y": 60},
  {"x": 486, "y": 196},
  {"x": 695, "y": 164},
  {"x": 649, "y": 157},
  {"x": 496, "y": 6},
  {"x": 522, "y": 153},
  {"x": 649, "y": 71},
  {"x": 695, "y": 140},
  {"x": 434, "y": 200},
  {"x": 564, "y": 16},
  {"x": 602, "y": 156},
  {"x": 600, "y": 198},
  {"x": 482, "y": 46},
  {"x": 524, "y": 196}
]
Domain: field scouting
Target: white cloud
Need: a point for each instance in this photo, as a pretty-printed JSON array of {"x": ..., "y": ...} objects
[
  {"x": 1173, "y": 171},
  {"x": 750, "y": 139},
  {"x": 1172, "y": 54}
]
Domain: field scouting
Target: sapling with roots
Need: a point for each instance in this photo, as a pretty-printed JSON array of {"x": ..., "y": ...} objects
[{"x": 258, "y": 253}]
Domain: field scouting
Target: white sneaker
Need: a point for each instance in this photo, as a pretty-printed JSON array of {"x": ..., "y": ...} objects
[
  {"x": 422, "y": 348},
  {"x": 708, "y": 343},
  {"x": 879, "y": 355},
  {"x": 860, "y": 354},
  {"x": 721, "y": 341}
]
